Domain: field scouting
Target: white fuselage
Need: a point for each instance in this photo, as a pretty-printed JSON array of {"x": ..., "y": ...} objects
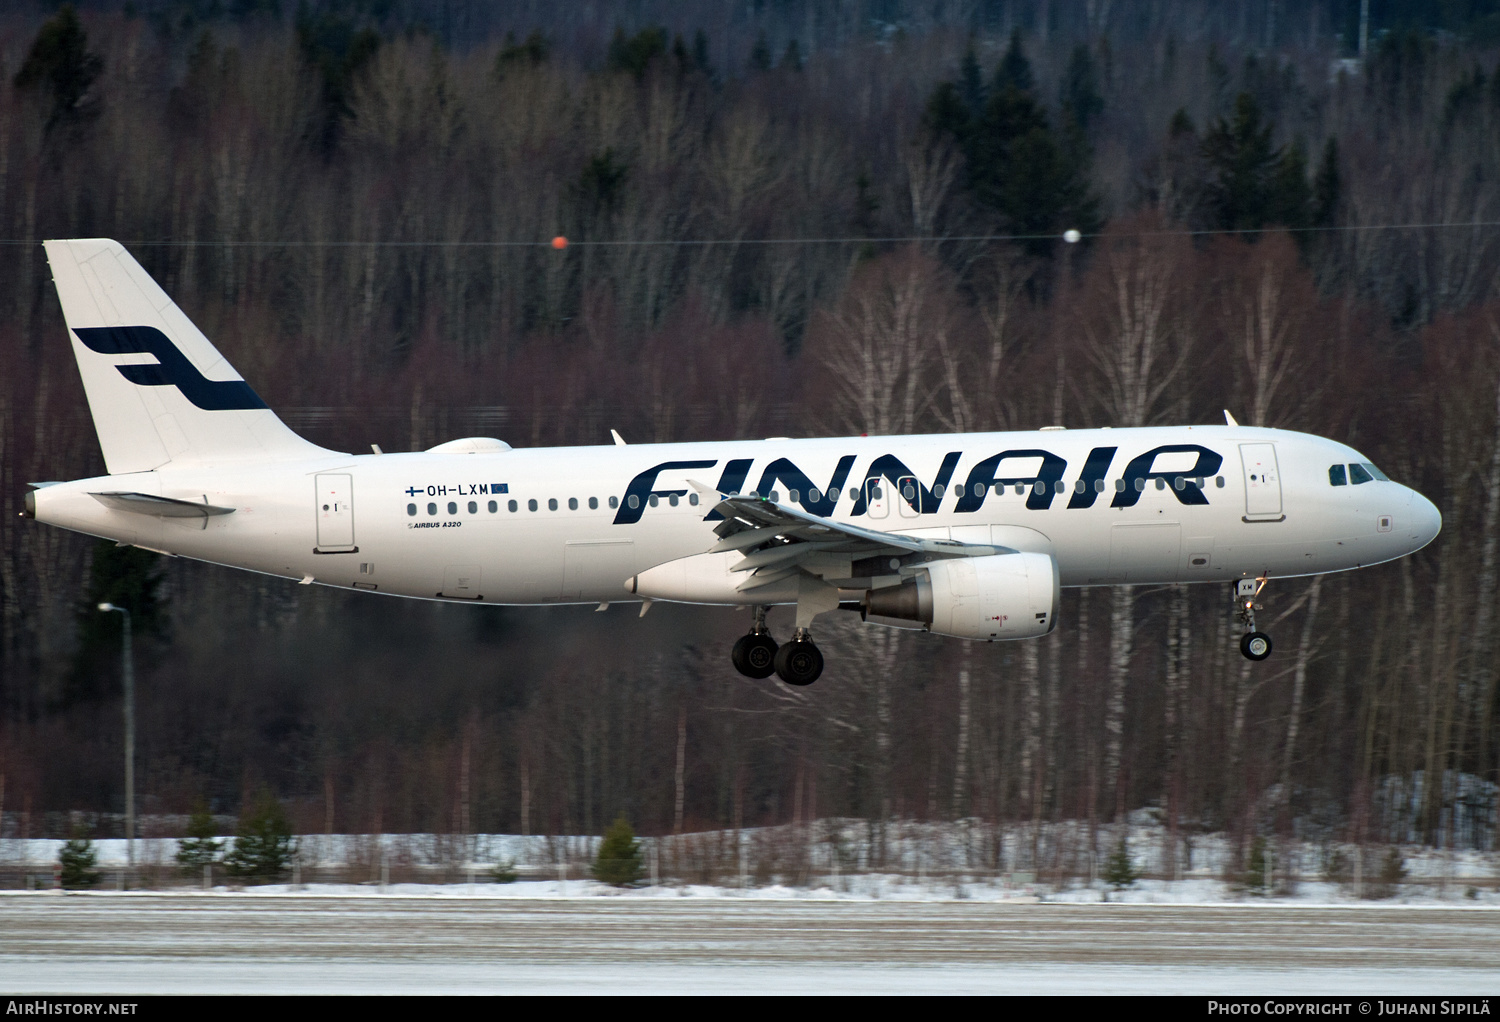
[{"x": 439, "y": 525}]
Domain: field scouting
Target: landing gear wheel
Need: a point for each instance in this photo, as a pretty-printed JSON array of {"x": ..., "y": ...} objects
[
  {"x": 1255, "y": 645},
  {"x": 798, "y": 662},
  {"x": 754, "y": 655}
]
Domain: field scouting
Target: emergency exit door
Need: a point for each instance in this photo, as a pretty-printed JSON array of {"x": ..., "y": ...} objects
[{"x": 335, "y": 510}]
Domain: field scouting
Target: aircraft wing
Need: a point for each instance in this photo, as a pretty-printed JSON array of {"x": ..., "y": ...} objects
[{"x": 779, "y": 540}]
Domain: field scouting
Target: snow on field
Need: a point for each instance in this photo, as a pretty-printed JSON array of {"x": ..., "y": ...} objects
[{"x": 921, "y": 862}]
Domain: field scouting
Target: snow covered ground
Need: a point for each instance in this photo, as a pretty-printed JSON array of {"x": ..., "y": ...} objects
[
  {"x": 690, "y": 940},
  {"x": 920, "y": 862}
]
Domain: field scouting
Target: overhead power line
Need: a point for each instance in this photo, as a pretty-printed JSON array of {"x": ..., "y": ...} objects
[{"x": 834, "y": 240}]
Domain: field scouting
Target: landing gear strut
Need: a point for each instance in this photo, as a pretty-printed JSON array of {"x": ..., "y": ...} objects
[
  {"x": 799, "y": 662},
  {"x": 1254, "y": 645},
  {"x": 754, "y": 655}
]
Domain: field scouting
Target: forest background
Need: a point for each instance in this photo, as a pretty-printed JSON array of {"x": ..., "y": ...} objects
[{"x": 790, "y": 217}]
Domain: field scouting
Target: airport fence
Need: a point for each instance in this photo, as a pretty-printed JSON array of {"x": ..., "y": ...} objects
[{"x": 832, "y": 854}]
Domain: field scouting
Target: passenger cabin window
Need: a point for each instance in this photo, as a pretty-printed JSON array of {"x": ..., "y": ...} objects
[
  {"x": 473, "y": 507},
  {"x": 432, "y": 509},
  {"x": 672, "y": 499},
  {"x": 411, "y": 509},
  {"x": 572, "y": 503},
  {"x": 693, "y": 499},
  {"x": 593, "y": 503},
  {"x": 531, "y": 504},
  {"x": 1357, "y": 474},
  {"x": 512, "y": 506},
  {"x": 453, "y": 507},
  {"x": 494, "y": 507},
  {"x": 614, "y": 502},
  {"x": 1336, "y": 476},
  {"x": 551, "y": 503},
  {"x": 633, "y": 501}
]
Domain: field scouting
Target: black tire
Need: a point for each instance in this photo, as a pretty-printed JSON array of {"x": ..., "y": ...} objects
[
  {"x": 1255, "y": 645},
  {"x": 799, "y": 663},
  {"x": 754, "y": 655}
]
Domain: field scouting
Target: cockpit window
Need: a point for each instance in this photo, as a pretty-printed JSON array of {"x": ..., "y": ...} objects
[
  {"x": 1357, "y": 475},
  {"x": 1375, "y": 472},
  {"x": 1336, "y": 476}
]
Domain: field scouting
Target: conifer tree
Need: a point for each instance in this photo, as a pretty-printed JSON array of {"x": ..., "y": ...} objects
[
  {"x": 1327, "y": 186},
  {"x": 1257, "y": 867},
  {"x": 970, "y": 85},
  {"x": 1119, "y": 869},
  {"x": 1081, "y": 102},
  {"x": 200, "y": 848},
  {"x": 61, "y": 64},
  {"x": 263, "y": 843},
  {"x": 1253, "y": 184},
  {"x": 619, "y": 859},
  {"x": 760, "y": 54},
  {"x": 77, "y": 859},
  {"x": 1036, "y": 179}
]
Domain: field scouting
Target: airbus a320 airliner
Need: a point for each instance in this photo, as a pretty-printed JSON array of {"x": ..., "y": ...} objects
[{"x": 969, "y": 535}]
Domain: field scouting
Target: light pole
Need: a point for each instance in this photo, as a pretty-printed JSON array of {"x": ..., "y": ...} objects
[{"x": 128, "y": 669}]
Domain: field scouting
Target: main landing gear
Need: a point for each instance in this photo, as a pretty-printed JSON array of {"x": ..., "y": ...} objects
[
  {"x": 754, "y": 655},
  {"x": 757, "y": 655},
  {"x": 1254, "y": 645}
]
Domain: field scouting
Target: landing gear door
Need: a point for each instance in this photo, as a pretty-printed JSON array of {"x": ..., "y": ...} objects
[
  {"x": 878, "y": 497},
  {"x": 1262, "y": 483},
  {"x": 335, "y": 510}
]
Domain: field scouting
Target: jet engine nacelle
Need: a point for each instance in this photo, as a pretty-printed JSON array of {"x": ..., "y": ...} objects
[{"x": 1003, "y": 596}]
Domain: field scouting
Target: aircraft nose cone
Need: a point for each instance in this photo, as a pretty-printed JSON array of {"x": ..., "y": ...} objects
[{"x": 1425, "y": 518}]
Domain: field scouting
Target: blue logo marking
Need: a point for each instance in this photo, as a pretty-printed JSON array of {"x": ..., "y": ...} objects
[
  {"x": 983, "y": 476},
  {"x": 1139, "y": 470},
  {"x": 173, "y": 370},
  {"x": 924, "y": 501},
  {"x": 641, "y": 489}
]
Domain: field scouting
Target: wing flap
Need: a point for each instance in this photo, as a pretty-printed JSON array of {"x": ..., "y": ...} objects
[{"x": 789, "y": 537}]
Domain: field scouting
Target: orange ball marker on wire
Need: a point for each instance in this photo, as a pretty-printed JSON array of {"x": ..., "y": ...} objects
[{"x": 559, "y": 243}]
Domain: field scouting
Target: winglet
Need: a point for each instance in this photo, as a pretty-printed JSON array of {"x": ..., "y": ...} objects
[
  {"x": 619, "y": 440},
  {"x": 1229, "y": 419}
]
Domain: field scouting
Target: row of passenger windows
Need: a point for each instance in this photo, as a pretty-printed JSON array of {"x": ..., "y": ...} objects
[
  {"x": 1359, "y": 472},
  {"x": 1079, "y": 486},
  {"x": 552, "y": 504},
  {"x": 876, "y": 493}
]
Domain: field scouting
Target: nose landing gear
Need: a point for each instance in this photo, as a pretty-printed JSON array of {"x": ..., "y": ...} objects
[
  {"x": 1254, "y": 645},
  {"x": 754, "y": 655}
]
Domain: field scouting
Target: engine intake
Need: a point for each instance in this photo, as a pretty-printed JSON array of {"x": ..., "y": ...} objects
[{"x": 1003, "y": 596}]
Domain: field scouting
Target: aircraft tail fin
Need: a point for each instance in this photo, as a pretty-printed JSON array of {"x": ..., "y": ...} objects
[{"x": 157, "y": 388}]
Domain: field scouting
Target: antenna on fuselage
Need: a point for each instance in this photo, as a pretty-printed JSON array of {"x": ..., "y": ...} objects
[
  {"x": 1229, "y": 419},
  {"x": 619, "y": 440}
]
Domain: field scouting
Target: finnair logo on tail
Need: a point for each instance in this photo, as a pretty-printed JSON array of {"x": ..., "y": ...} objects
[{"x": 173, "y": 370}]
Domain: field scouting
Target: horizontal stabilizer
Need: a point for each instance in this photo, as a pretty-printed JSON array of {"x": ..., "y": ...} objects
[{"x": 165, "y": 507}]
